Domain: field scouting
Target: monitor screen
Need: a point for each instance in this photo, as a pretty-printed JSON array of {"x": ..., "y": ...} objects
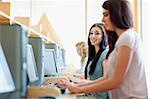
[
  {"x": 31, "y": 65},
  {"x": 6, "y": 81},
  {"x": 50, "y": 67}
]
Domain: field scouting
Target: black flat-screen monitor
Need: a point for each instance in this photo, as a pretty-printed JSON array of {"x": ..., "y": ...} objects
[
  {"x": 31, "y": 65},
  {"x": 6, "y": 81},
  {"x": 50, "y": 67}
]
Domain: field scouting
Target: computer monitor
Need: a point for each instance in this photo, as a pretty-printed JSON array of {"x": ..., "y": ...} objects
[
  {"x": 57, "y": 52},
  {"x": 63, "y": 57},
  {"x": 60, "y": 64},
  {"x": 38, "y": 46},
  {"x": 55, "y": 47},
  {"x": 50, "y": 67},
  {"x": 31, "y": 65},
  {"x": 6, "y": 81},
  {"x": 14, "y": 41}
]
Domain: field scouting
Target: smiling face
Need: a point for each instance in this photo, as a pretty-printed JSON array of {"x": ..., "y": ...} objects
[
  {"x": 107, "y": 21},
  {"x": 95, "y": 36}
]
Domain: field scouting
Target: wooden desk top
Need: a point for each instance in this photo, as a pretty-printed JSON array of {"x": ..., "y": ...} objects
[
  {"x": 75, "y": 96},
  {"x": 69, "y": 96}
]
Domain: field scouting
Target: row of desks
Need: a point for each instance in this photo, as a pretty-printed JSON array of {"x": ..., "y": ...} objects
[{"x": 46, "y": 90}]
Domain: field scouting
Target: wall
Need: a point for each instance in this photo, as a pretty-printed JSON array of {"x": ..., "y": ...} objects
[{"x": 67, "y": 19}]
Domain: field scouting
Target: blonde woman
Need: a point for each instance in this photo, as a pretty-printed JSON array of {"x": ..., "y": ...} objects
[{"x": 82, "y": 52}]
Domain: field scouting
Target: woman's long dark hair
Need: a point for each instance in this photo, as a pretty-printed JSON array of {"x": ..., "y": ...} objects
[
  {"x": 111, "y": 39},
  {"x": 92, "y": 56},
  {"x": 120, "y": 13}
]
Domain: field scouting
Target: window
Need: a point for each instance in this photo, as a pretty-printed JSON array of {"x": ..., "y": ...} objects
[{"x": 145, "y": 33}]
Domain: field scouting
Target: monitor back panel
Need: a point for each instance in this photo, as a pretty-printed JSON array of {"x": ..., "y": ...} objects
[
  {"x": 14, "y": 40},
  {"x": 38, "y": 49}
]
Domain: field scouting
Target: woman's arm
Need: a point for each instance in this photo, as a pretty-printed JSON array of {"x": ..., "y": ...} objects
[{"x": 124, "y": 54}]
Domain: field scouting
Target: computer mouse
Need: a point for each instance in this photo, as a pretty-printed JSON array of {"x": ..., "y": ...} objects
[{"x": 61, "y": 88}]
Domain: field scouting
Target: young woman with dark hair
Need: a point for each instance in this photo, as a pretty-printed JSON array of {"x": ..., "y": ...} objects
[{"x": 97, "y": 50}]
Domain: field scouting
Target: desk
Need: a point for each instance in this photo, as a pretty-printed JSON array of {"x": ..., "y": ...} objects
[
  {"x": 67, "y": 96},
  {"x": 75, "y": 96},
  {"x": 35, "y": 92},
  {"x": 64, "y": 74},
  {"x": 48, "y": 80}
]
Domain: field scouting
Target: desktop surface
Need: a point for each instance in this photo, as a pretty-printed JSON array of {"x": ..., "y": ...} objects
[
  {"x": 75, "y": 96},
  {"x": 41, "y": 93}
]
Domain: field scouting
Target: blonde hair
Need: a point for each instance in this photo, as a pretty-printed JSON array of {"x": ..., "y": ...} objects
[{"x": 83, "y": 49}]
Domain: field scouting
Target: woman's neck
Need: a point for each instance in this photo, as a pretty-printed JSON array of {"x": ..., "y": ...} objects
[
  {"x": 119, "y": 31},
  {"x": 97, "y": 48}
]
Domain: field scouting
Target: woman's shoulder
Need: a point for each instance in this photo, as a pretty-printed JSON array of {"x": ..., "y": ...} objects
[
  {"x": 103, "y": 54},
  {"x": 127, "y": 38},
  {"x": 106, "y": 50}
]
